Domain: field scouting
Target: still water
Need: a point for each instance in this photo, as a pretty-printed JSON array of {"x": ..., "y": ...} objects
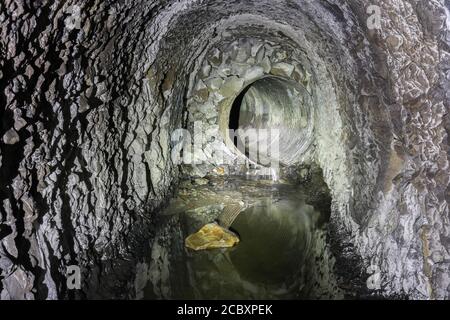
[{"x": 281, "y": 248}]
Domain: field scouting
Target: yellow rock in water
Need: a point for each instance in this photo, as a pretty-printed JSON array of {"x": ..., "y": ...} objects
[
  {"x": 220, "y": 171},
  {"x": 211, "y": 236}
]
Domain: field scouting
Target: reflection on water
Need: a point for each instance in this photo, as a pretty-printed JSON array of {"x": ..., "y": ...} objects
[
  {"x": 274, "y": 243},
  {"x": 277, "y": 255}
]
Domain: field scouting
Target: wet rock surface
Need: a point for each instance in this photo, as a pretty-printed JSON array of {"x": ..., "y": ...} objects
[{"x": 88, "y": 103}]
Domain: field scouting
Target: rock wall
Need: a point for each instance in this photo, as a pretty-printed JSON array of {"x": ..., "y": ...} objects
[{"x": 91, "y": 91}]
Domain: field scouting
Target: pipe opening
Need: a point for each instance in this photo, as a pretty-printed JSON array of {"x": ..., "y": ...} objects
[{"x": 271, "y": 120}]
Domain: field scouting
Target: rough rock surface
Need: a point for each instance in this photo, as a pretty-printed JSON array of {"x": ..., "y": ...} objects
[{"x": 89, "y": 97}]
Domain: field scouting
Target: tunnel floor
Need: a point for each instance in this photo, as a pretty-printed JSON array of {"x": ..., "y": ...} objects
[{"x": 282, "y": 253}]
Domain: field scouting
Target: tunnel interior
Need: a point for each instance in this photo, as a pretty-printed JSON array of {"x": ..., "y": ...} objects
[
  {"x": 253, "y": 129},
  {"x": 116, "y": 145}
]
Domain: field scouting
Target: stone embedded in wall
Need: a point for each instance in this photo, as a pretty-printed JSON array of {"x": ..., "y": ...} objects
[
  {"x": 214, "y": 84},
  {"x": 253, "y": 73},
  {"x": 282, "y": 69},
  {"x": 265, "y": 64},
  {"x": 238, "y": 68},
  {"x": 206, "y": 69},
  {"x": 201, "y": 93},
  {"x": 19, "y": 122},
  {"x": 11, "y": 137},
  {"x": 224, "y": 71},
  {"x": 215, "y": 58},
  {"x": 231, "y": 86}
]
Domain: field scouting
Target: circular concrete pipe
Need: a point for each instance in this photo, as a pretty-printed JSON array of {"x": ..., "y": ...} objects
[{"x": 271, "y": 122}]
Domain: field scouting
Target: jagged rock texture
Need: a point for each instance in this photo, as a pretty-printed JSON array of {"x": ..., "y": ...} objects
[{"x": 87, "y": 112}]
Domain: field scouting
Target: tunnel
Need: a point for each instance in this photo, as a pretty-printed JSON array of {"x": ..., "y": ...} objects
[{"x": 127, "y": 125}]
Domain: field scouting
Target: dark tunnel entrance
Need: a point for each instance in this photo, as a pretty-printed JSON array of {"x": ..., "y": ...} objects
[{"x": 271, "y": 119}]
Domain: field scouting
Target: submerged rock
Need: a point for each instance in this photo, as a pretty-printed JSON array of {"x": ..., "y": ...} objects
[{"x": 211, "y": 236}]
